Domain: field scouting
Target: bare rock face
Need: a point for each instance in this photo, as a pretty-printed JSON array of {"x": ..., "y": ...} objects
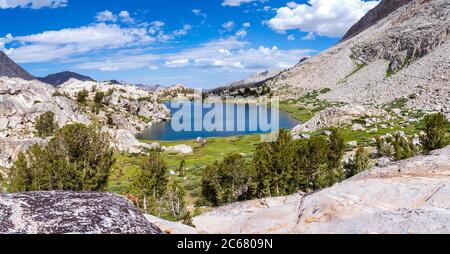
[
  {"x": 409, "y": 196},
  {"x": 381, "y": 11},
  {"x": 9, "y": 68},
  {"x": 71, "y": 213},
  {"x": 336, "y": 116}
]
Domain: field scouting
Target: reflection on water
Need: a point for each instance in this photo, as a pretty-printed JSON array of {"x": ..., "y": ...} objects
[{"x": 240, "y": 123}]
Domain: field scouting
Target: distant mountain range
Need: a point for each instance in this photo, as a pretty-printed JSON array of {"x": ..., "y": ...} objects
[
  {"x": 10, "y": 69},
  {"x": 62, "y": 77}
]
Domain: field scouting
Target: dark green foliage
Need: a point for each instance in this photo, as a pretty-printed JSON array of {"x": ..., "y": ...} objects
[
  {"x": 82, "y": 96},
  {"x": 436, "y": 127},
  {"x": 98, "y": 98},
  {"x": 404, "y": 147},
  {"x": 226, "y": 182},
  {"x": 109, "y": 120},
  {"x": 156, "y": 195},
  {"x": 150, "y": 184},
  {"x": 182, "y": 168},
  {"x": 77, "y": 158},
  {"x": 45, "y": 124},
  {"x": 396, "y": 147},
  {"x": 278, "y": 168},
  {"x": 176, "y": 204},
  {"x": 358, "y": 163}
]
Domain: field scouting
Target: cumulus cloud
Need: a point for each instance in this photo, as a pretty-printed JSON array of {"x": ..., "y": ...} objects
[
  {"x": 291, "y": 37},
  {"x": 232, "y": 53},
  {"x": 125, "y": 17},
  {"x": 309, "y": 37},
  {"x": 330, "y": 18},
  {"x": 60, "y": 44},
  {"x": 228, "y": 25},
  {"x": 241, "y": 33},
  {"x": 33, "y": 4},
  {"x": 105, "y": 16}
]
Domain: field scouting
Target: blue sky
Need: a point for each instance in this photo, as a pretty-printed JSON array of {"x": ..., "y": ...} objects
[{"x": 201, "y": 43}]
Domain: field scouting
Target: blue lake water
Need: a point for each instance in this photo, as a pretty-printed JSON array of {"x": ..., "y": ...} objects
[{"x": 237, "y": 120}]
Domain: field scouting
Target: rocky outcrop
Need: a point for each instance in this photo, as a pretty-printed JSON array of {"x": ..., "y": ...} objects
[
  {"x": 409, "y": 196},
  {"x": 62, "y": 77},
  {"x": 178, "y": 149},
  {"x": 378, "y": 13},
  {"x": 71, "y": 213},
  {"x": 337, "y": 116},
  {"x": 170, "y": 227},
  {"x": 21, "y": 102},
  {"x": 11, "y": 147},
  {"x": 8, "y": 68}
]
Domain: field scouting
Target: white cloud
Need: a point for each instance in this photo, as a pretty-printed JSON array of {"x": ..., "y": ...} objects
[
  {"x": 198, "y": 12},
  {"x": 177, "y": 63},
  {"x": 309, "y": 37},
  {"x": 323, "y": 17},
  {"x": 33, "y": 4},
  {"x": 155, "y": 26},
  {"x": 292, "y": 5},
  {"x": 121, "y": 62},
  {"x": 125, "y": 17},
  {"x": 105, "y": 16},
  {"x": 247, "y": 25},
  {"x": 232, "y": 53},
  {"x": 234, "y": 3},
  {"x": 182, "y": 31},
  {"x": 228, "y": 25},
  {"x": 241, "y": 33},
  {"x": 60, "y": 44},
  {"x": 291, "y": 37}
]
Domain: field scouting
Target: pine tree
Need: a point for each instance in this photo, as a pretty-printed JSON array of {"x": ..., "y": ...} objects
[
  {"x": 77, "y": 158},
  {"x": 359, "y": 162},
  {"x": 151, "y": 182},
  {"x": 46, "y": 125},
  {"x": 436, "y": 128},
  {"x": 182, "y": 168}
]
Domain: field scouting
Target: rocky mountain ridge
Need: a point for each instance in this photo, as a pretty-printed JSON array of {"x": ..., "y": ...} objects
[
  {"x": 8, "y": 68},
  {"x": 62, "y": 77},
  {"x": 381, "y": 11},
  {"x": 402, "y": 56}
]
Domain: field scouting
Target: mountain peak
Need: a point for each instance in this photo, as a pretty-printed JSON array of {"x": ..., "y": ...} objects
[
  {"x": 381, "y": 11},
  {"x": 62, "y": 77},
  {"x": 9, "y": 68}
]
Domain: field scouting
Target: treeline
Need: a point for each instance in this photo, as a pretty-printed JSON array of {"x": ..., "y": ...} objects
[{"x": 278, "y": 168}]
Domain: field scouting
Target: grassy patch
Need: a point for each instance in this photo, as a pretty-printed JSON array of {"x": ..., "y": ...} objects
[
  {"x": 304, "y": 108},
  {"x": 127, "y": 166}
]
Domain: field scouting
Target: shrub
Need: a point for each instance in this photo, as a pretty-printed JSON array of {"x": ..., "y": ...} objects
[
  {"x": 82, "y": 96},
  {"x": 226, "y": 181},
  {"x": 45, "y": 124},
  {"x": 77, "y": 158},
  {"x": 109, "y": 120},
  {"x": 358, "y": 163},
  {"x": 436, "y": 137},
  {"x": 98, "y": 98},
  {"x": 150, "y": 184}
]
